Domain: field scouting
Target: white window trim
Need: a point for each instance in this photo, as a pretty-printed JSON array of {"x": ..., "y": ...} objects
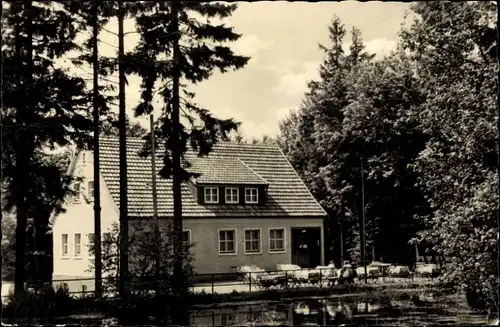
[
  {"x": 269, "y": 240},
  {"x": 65, "y": 256},
  {"x": 235, "y": 241},
  {"x": 252, "y": 188},
  {"x": 77, "y": 256},
  {"x": 245, "y": 241},
  {"x": 205, "y": 194},
  {"x": 189, "y": 235},
  {"x": 237, "y": 195}
]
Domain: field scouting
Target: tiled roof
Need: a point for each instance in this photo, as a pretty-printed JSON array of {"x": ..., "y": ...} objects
[
  {"x": 248, "y": 163},
  {"x": 216, "y": 170}
]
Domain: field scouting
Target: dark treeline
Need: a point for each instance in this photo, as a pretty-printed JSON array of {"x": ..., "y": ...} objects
[
  {"x": 422, "y": 123},
  {"x": 46, "y": 107}
]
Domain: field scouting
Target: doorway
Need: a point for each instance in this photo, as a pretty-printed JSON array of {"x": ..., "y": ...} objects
[{"x": 306, "y": 247}]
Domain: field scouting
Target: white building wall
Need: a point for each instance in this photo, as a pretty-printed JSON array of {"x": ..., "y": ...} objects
[{"x": 79, "y": 218}]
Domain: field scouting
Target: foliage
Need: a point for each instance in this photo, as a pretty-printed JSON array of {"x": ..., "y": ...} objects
[
  {"x": 54, "y": 114},
  {"x": 145, "y": 281},
  {"x": 453, "y": 50},
  {"x": 358, "y": 111},
  {"x": 202, "y": 51},
  {"x": 44, "y": 303},
  {"x": 8, "y": 247},
  {"x": 134, "y": 129}
]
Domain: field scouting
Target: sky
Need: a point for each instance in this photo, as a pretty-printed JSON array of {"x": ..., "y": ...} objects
[{"x": 282, "y": 40}]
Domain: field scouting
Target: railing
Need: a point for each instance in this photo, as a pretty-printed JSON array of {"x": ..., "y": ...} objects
[{"x": 224, "y": 283}]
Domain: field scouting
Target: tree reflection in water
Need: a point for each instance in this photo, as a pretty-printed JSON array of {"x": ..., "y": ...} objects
[{"x": 350, "y": 311}]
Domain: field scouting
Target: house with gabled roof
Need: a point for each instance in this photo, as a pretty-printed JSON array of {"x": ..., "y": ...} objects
[{"x": 246, "y": 205}]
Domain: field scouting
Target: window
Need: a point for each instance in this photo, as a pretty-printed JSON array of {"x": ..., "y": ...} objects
[
  {"x": 76, "y": 189},
  {"x": 251, "y": 195},
  {"x": 83, "y": 157},
  {"x": 232, "y": 195},
  {"x": 211, "y": 195},
  {"x": 78, "y": 245},
  {"x": 227, "y": 241},
  {"x": 91, "y": 190},
  {"x": 277, "y": 240},
  {"x": 64, "y": 242},
  {"x": 252, "y": 240}
]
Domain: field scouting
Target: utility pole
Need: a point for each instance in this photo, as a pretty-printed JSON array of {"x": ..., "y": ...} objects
[
  {"x": 155, "y": 204},
  {"x": 97, "y": 184},
  {"x": 181, "y": 316},
  {"x": 363, "y": 231},
  {"x": 123, "y": 159},
  {"x": 498, "y": 163}
]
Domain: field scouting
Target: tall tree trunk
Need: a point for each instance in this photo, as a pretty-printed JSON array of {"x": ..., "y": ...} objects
[
  {"x": 180, "y": 310},
  {"x": 1, "y": 158},
  {"x": 498, "y": 163},
  {"x": 123, "y": 160},
  {"x": 97, "y": 186},
  {"x": 23, "y": 152}
]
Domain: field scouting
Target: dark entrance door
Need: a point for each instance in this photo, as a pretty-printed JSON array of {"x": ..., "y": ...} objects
[{"x": 306, "y": 247}]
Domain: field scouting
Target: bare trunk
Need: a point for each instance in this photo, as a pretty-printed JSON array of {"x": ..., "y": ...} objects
[
  {"x": 498, "y": 164},
  {"x": 180, "y": 308},
  {"x": 123, "y": 161},
  {"x": 97, "y": 188},
  {"x": 24, "y": 151},
  {"x": 1, "y": 170}
]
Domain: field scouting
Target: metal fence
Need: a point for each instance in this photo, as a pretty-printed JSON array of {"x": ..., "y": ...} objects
[{"x": 224, "y": 283}]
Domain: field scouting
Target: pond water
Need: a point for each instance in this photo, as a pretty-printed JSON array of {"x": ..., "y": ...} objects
[{"x": 425, "y": 309}]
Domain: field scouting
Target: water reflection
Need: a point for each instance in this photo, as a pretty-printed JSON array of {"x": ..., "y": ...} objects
[{"x": 336, "y": 311}]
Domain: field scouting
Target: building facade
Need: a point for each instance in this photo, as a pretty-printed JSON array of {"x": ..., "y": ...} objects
[{"x": 244, "y": 205}]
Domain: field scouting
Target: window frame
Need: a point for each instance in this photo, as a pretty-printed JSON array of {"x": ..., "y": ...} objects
[
  {"x": 247, "y": 196},
  {"x": 231, "y": 195},
  {"x": 63, "y": 244},
  {"x": 235, "y": 241},
  {"x": 210, "y": 188},
  {"x": 250, "y": 240},
  {"x": 75, "y": 255},
  {"x": 284, "y": 240}
]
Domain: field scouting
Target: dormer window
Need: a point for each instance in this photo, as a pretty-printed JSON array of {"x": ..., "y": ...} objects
[
  {"x": 232, "y": 195},
  {"x": 211, "y": 195},
  {"x": 252, "y": 195}
]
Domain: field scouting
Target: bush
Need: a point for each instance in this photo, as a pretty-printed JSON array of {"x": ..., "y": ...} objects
[{"x": 42, "y": 303}]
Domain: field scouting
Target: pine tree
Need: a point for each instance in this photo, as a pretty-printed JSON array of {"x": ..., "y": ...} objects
[
  {"x": 175, "y": 47},
  {"x": 37, "y": 33}
]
